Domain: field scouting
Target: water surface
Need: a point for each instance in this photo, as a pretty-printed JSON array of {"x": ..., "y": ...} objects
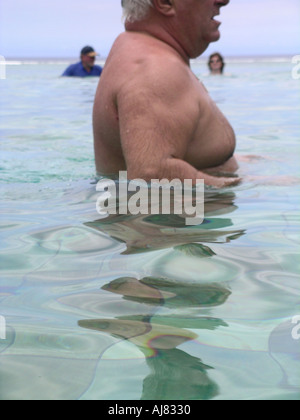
[{"x": 146, "y": 308}]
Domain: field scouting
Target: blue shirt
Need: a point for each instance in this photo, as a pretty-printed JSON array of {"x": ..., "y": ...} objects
[{"x": 77, "y": 70}]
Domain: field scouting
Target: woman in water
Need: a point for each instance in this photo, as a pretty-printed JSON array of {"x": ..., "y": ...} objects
[{"x": 216, "y": 64}]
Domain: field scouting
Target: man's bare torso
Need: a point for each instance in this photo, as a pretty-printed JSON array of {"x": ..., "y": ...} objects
[{"x": 209, "y": 140}]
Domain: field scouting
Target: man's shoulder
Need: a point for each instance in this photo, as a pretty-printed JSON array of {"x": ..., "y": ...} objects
[
  {"x": 149, "y": 69},
  {"x": 157, "y": 71},
  {"x": 75, "y": 65},
  {"x": 71, "y": 69},
  {"x": 139, "y": 49}
]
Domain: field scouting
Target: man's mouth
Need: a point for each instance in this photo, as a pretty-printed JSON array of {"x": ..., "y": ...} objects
[
  {"x": 213, "y": 17},
  {"x": 214, "y": 20}
]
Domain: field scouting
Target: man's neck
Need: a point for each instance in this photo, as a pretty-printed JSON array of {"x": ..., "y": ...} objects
[{"x": 160, "y": 33}]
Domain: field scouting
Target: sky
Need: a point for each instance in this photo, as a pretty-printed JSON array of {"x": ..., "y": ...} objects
[{"x": 60, "y": 28}]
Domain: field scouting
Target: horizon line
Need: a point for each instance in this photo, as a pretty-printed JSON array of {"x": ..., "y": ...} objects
[{"x": 101, "y": 58}]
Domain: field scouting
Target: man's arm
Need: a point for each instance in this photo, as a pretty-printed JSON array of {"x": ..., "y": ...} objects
[{"x": 158, "y": 114}]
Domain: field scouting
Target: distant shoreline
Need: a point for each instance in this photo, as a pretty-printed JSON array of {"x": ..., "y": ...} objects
[{"x": 66, "y": 60}]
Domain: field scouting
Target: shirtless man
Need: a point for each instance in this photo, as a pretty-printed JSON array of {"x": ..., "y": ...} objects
[{"x": 152, "y": 116}]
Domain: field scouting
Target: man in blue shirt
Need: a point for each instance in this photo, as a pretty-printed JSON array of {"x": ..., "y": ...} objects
[{"x": 86, "y": 67}]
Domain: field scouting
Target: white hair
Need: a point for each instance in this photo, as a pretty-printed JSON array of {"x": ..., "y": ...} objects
[{"x": 135, "y": 10}]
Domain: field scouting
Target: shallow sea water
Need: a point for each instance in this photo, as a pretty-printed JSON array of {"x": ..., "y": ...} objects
[{"x": 135, "y": 308}]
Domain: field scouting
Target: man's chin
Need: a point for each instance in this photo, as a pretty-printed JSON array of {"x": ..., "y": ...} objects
[
  {"x": 206, "y": 45},
  {"x": 215, "y": 36}
]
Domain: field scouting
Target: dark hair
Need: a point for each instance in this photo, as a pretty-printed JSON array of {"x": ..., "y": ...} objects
[
  {"x": 220, "y": 57},
  {"x": 87, "y": 50}
]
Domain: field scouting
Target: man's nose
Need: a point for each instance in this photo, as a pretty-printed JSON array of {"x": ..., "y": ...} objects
[{"x": 222, "y": 3}]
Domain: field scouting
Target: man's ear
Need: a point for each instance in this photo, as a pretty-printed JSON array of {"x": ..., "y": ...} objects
[{"x": 166, "y": 7}]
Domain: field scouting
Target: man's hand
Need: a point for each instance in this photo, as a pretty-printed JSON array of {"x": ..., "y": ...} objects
[{"x": 219, "y": 182}]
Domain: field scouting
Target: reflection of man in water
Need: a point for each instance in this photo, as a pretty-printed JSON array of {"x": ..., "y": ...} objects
[
  {"x": 152, "y": 117},
  {"x": 174, "y": 373},
  {"x": 141, "y": 233}
]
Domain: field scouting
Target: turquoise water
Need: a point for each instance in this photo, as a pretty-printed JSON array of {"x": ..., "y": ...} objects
[{"x": 126, "y": 308}]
